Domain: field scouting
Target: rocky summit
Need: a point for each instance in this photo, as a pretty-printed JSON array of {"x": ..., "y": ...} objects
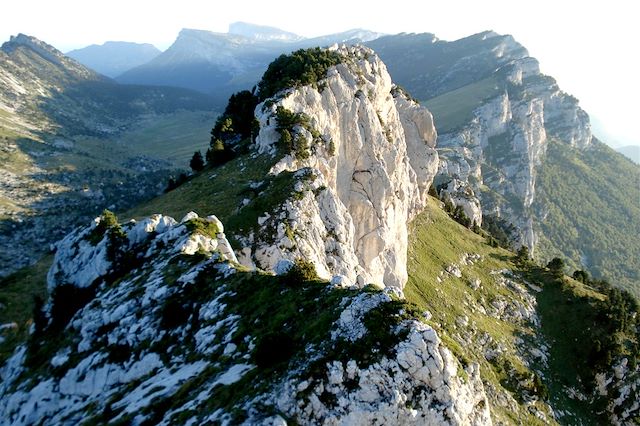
[
  {"x": 372, "y": 165},
  {"x": 314, "y": 278}
]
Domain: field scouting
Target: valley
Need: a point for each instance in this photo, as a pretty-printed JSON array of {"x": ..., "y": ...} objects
[{"x": 73, "y": 143}]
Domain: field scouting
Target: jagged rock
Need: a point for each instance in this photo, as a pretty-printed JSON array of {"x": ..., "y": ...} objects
[
  {"x": 454, "y": 270},
  {"x": 379, "y": 170},
  {"x": 475, "y": 283},
  {"x": 385, "y": 392}
]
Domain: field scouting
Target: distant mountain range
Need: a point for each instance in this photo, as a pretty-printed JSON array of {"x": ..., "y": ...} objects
[
  {"x": 114, "y": 57},
  {"x": 220, "y": 64}
]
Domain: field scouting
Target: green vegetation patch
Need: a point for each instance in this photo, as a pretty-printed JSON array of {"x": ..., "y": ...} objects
[
  {"x": 203, "y": 226},
  {"x": 300, "y": 68},
  {"x": 219, "y": 191},
  {"x": 587, "y": 330},
  {"x": 292, "y": 141},
  {"x": 20, "y": 292}
]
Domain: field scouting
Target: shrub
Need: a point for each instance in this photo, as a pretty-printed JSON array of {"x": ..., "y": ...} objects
[
  {"x": 197, "y": 162},
  {"x": 202, "y": 226},
  {"x": 107, "y": 221},
  {"x": 238, "y": 118},
  {"x": 556, "y": 266},
  {"x": 236, "y": 124},
  {"x": 119, "y": 353},
  {"x": 300, "y": 68},
  {"x": 301, "y": 271},
  {"x": 286, "y": 121},
  {"x": 522, "y": 256},
  {"x": 501, "y": 230},
  {"x": 581, "y": 276},
  {"x": 66, "y": 300},
  {"x": 461, "y": 217},
  {"x": 173, "y": 183},
  {"x": 173, "y": 314}
]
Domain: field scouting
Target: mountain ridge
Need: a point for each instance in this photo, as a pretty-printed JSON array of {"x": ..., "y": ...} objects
[
  {"x": 154, "y": 321},
  {"x": 223, "y": 63}
]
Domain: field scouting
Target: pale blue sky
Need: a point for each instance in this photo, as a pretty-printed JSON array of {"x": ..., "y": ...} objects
[{"x": 589, "y": 46}]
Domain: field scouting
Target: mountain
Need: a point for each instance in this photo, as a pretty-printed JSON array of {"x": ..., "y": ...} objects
[
  {"x": 220, "y": 64},
  {"x": 328, "y": 288},
  {"x": 261, "y": 32},
  {"x": 631, "y": 151},
  {"x": 114, "y": 57},
  {"x": 517, "y": 152},
  {"x": 67, "y": 148}
]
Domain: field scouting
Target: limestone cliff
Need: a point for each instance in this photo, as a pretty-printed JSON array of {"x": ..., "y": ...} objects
[
  {"x": 495, "y": 156},
  {"x": 371, "y": 162}
]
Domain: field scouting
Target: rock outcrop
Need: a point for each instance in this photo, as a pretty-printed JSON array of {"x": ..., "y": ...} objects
[
  {"x": 371, "y": 163},
  {"x": 496, "y": 155},
  {"x": 166, "y": 328}
]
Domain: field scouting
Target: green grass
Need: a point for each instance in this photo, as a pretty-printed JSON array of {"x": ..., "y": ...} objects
[
  {"x": 437, "y": 241},
  {"x": 455, "y": 108},
  {"x": 218, "y": 191},
  {"x": 573, "y": 317},
  {"x": 16, "y": 294},
  {"x": 174, "y": 137}
]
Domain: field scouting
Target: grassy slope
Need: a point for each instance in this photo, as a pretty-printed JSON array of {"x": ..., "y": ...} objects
[
  {"x": 592, "y": 202},
  {"x": 454, "y": 109},
  {"x": 565, "y": 311},
  {"x": 436, "y": 241},
  {"x": 218, "y": 191}
]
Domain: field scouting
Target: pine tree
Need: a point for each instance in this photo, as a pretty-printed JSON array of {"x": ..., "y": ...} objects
[
  {"x": 217, "y": 154},
  {"x": 522, "y": 256},
  {"x": 556, "y": 266},
  {"x": 197, "y": 162}
]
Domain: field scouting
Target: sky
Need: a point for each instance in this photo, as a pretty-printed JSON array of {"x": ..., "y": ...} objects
[{"x": 590, "y": 47}]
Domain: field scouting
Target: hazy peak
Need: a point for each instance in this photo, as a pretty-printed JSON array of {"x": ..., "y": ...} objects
[
  {"x": 28, "y": 41},
  {"x": 262, "y": 32}
]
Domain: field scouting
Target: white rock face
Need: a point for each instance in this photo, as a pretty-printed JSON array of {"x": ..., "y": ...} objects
[
  {"x": 419, "y": 386},
  {"x": 80, "y": 262},
  {"x": 509, "y": 134},
  {"x": 461, "y": 194},
  {"x": 371, "y": 174},
  {"x": 129, "y": 311}
]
